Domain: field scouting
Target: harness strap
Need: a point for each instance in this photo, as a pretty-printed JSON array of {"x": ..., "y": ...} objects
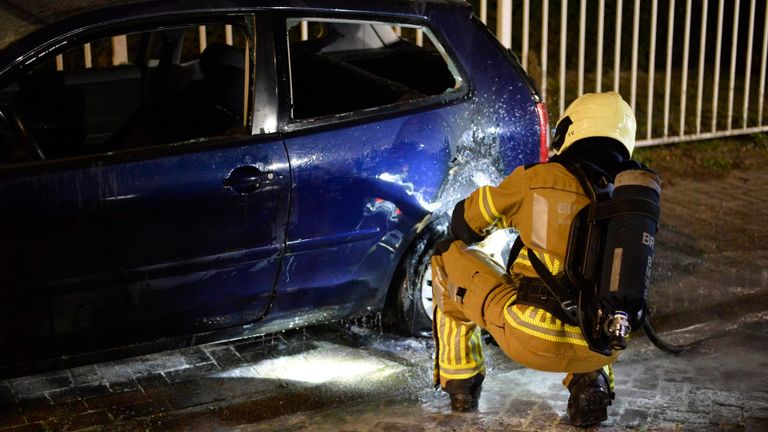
[
  {"x": 615, "y": 207},
  {"x": 534, "y": 292},
  {"x": 562, "y": 296},
  {"x": 586, "y": 179},
  {"x": 514, "y": 252}
]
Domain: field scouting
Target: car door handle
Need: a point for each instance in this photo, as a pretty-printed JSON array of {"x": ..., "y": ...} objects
[{"x": 248, "y": 179}]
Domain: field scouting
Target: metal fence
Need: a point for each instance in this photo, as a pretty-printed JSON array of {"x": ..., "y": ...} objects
[{"x": 620, "y": 45}]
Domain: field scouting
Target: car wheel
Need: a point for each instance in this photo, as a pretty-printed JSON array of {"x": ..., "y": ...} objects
[{"x": 409, "y": 304}]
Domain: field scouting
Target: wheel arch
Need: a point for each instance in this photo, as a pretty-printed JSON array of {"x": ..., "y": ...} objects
[{"x": 416, "y": 253}]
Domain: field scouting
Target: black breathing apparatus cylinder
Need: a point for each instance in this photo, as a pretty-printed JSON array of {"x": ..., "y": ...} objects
[
  {"x": 628, "y": 253},
  {"x": 610, "y": 253}
]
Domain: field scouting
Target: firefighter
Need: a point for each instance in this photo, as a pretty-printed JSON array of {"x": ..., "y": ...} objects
[{"x": 472, "y": 292}]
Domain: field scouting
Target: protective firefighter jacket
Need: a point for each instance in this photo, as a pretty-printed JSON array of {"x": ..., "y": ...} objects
[{"x": 540, "y": 202}]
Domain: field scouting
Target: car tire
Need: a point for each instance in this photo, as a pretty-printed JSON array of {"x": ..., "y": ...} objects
[{"x": 408, "y": 310}]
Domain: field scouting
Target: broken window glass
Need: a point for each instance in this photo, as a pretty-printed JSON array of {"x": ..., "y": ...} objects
[{"x": 345, "y": 66}]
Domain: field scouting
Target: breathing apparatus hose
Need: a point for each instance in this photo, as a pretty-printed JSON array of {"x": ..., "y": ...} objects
[{"x": 663, "y": 345}]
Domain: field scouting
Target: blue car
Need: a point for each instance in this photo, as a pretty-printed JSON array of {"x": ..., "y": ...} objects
[{"x": 181, "y": 172}]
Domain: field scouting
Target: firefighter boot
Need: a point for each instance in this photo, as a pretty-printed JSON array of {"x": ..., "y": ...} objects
[
  {"x": 590, "y": 396},
  {"x": 464, "y": 393}
]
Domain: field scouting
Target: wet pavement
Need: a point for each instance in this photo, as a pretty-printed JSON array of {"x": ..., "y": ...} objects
[
  {"x": 356, "y": 379},
  {"x": 711, "y": 285}
]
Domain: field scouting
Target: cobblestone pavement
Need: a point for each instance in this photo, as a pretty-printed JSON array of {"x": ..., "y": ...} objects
[{"x": 711, "y": 284}]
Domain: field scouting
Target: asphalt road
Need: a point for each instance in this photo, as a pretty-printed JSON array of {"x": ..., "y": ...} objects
[{"x": 711, "y": 284}]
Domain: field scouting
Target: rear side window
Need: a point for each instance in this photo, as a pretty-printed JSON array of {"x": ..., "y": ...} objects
[{"x": 348, "y": 66}]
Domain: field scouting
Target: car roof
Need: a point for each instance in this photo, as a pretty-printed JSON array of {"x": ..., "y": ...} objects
[
  {"x": 32, "y": 23},
  {"x": 46, "y": 12}
]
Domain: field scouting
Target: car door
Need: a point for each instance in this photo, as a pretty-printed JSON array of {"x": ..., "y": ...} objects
[
  {"x": 175, "y": 225},
  {"x": 368, "y": 135}
]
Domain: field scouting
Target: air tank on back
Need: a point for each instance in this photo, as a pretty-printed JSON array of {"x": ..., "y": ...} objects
[{"x": 628, "y": 257}]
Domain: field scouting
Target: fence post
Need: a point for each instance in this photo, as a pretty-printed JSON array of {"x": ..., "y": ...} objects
[
  {"x": 600, "y": 31},
  {"x": 734, "y": 45},
  {"x": 635, "y": 33},
  {"x": 563, "y": 34},
  {"x": 119, "y": 50},
  {"x": 702, "y": 54},
  {"x": 668, "y": 77},
  {"x": 748, "y": 68},
  {"x": 651, "y": 70},
  {"x": 686, "y": 47},
  {"x": 617, "y": 47},
  {"x": 582, "y": 31},
  {"x": 526, "y": 27},
  {"x": 87, "y": 56},
  {"x": 202, "y": 37},
  {"x": 544, "y": 46},
  {"x": 504, "y": 22},
  {"x": 764, "y": 59},
  {"x": 718, "y": 51}
]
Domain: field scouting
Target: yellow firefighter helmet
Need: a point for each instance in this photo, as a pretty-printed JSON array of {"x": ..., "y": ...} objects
[{"x": 596, "y": 115}]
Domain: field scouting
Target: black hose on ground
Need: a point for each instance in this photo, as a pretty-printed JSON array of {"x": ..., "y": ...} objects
[{"x": 661, "y": 344}]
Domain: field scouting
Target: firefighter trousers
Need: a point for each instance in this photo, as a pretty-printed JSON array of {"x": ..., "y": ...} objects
[{"x": 471, "y": 291}]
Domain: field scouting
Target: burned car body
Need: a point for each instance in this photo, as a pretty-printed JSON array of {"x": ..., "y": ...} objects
[{"x": 295, "y": 171}]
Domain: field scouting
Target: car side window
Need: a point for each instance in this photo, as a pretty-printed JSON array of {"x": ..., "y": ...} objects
[
  {"x": 148, "y": 88},
  {"x": 346, "y": 66}
]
